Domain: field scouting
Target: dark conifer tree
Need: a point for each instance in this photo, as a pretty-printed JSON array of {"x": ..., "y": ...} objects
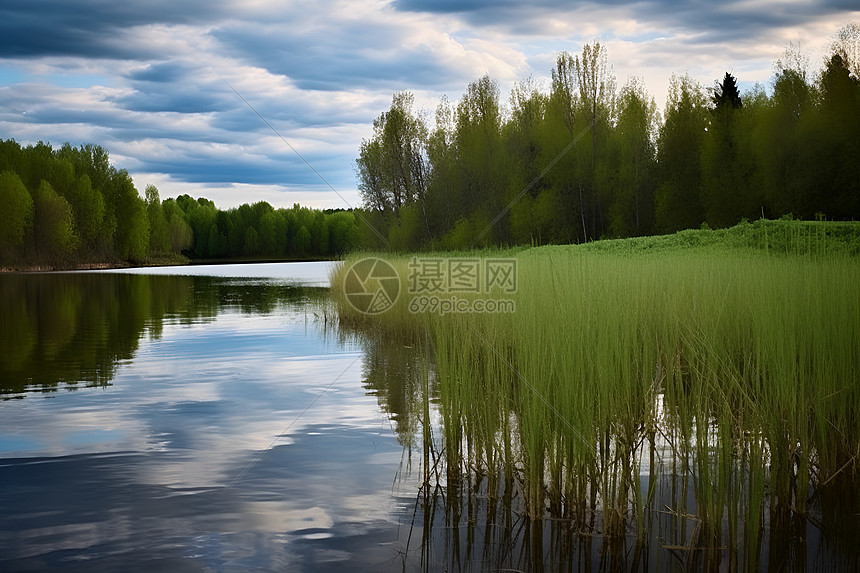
[{"x": 726, "y": 93}]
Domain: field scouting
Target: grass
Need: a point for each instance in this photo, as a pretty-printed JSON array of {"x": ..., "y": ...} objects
[{"x": 724, "y": 359}]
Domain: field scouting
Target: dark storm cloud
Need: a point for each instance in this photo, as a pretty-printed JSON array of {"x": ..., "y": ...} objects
[
  {"x": 90, "y": 28},
  {"x": 708, "y": 21},
  {"x": 173, "y": 87},
  {"x": 161, "y": 72}
]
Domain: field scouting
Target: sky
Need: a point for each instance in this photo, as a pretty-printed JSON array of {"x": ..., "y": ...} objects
[{"x": 188, "y": 95}]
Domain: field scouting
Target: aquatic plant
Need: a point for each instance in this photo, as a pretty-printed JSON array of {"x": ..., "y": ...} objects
[{"x": 703, "y": 396}]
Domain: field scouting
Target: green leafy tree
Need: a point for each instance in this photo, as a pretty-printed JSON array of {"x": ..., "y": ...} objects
[
  {"x": 303, "y": 241},
  {"x": 481, "y": 173},
  {"x": 17, "y": 217},
  {"x": 837, "y": 134},
  {"x": 343, "y": 232},
  {"x": 89, "y": 207},
  {"x": 132, "y": 223},
  {"x": 724, "y": 192},
  {"x": 54, "y": 229},
  {"x": 781, "y": 146},
  {"x": 633, "y": 179},
  {"x": 392, "y": 166},
  {"x": 580, "y": 112},
  {"x": 94, "y": 162},
  {"x": 181, "y": 235},
  {"x": 561, "y": 206},
  {"x": 252, "y": 242},
  {"x": 273, "y": 234},
  {"x": 180, "y": 232},
  {"x": 159, "y": 229},
  {"x": 444, "y": 200},
  {"x": 677, "y": 202},
  {"x": 201, "y": 218},
  {"x": 597, "y": 93},
  {"x": 522, "y": 139},
  {"x": 319, "y": 234}
]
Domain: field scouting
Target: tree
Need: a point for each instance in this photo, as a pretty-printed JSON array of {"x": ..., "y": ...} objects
[
  {"x": 89, "y": 207},
  {"x": 837, "y": 132},
  {"x": 252, "y": 242},
  {"x": 54, "y": 228},
  {"x": 444, "y": 200},
  {"x": 631, "y": 204},
  {"x": 597, "y": 97},
  {"x": 780, "y": 147},
  {"x": 181, "y": 235},
  {"x": 480, "y": 172},
  {"x": 561, "y": 205},
  {"x": 17, "y": 216},
  {"x": 319, "y": 233},
  {"x": 201, "y": 218},
  {"x": 523, "y": 145},
  {"x": 846, "y": 44},
  {"x": 180, "y": 232},
  {"x": 343, "y": 232},
  {"x": 159, "y": 229},
  {"x": 273, "y": 234},
  {"x": 392, "y": 166},
  {"x": 677, "y": 202},
  {"x": 565, "y": 89},
  {"x": 303, "y": 241},
  {"x": 132, "y": 223},
  {"x": 726, "y": 94},
  {"x": 724, "y": 192}
]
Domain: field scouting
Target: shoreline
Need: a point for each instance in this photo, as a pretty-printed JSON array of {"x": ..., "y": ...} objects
[{"x": 105, "y": 265}]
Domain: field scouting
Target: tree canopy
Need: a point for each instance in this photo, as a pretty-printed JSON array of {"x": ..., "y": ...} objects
[
  {"x": 584, "y": 159},
  {"x": 69, "y": 206}
]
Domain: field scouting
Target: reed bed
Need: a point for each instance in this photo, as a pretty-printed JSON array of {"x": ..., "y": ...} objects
[{"x": 703, "y": 396}]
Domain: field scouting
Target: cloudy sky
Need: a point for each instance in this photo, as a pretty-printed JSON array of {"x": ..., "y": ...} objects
[{"x": 161, "y": 83}]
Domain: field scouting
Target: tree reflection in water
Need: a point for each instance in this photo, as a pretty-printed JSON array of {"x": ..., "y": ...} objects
[{"x": 72, "y": 330}]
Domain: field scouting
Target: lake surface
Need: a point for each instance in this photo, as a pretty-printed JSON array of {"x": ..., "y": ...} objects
[
  {"x": 151, "y": 419},
  {"x": 215, "y": 418}
]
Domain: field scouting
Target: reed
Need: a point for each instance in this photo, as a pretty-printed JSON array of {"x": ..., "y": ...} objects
[{"x": 731, "y": 366}]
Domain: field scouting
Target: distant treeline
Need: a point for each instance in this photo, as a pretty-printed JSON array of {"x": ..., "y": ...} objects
[
  {"x": 68, "y": 206},
  {"x": 585, "y": 160}
]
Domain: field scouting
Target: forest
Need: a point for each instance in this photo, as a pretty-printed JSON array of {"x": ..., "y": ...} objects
[
  {"x": 70, "y": 206},
  {"x": 585, "y": 160}
]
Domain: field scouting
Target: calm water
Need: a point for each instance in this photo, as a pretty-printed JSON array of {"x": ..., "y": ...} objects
[{"x": 155, "y": 420}]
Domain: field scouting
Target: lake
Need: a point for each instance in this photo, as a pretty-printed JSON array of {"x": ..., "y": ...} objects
[
  {"x": 192, "y": 419},
  {"x": 217, "y": 418}
]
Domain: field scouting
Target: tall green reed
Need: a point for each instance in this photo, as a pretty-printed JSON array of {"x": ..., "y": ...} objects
[{"x": 740, "y": 365}]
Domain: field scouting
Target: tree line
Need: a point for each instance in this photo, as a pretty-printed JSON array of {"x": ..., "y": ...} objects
[
  {"x": 68, "y": 206},
  {"x": 584, "y": 159}
]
